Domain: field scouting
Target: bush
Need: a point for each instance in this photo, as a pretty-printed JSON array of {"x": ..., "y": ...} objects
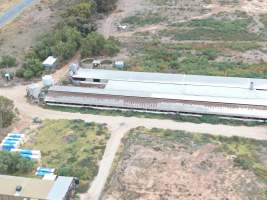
[
  {"x": 106, "y": 5},
  {"x": 7, "y": 112},
  {"x": 95, "y": 44},
  {"x": 13, "y": 163},
  {"x": 8, "y": 61},
  {"x": 32, "y": 67}
]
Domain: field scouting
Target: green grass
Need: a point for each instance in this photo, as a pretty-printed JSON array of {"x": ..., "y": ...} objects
[
  {"x": 213, "y": 29},
  {"x": 74, "y": 148},
  {"x": 210, "y": 119},
  {"x": 199, "y": 59},
  {"x": 143, "y": 19},
  {"x": 242, "y": 47}
]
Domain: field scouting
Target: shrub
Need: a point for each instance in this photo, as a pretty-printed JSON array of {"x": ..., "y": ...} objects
[
  {"x": 13, "y": 163},
  {"x": 95, "y": 44},
  {"x": 32, "y": 67},
  {"x": 7, "y": 61},
  {"x": 106, "y": 5},
  {"x": 7, "y": 112}
]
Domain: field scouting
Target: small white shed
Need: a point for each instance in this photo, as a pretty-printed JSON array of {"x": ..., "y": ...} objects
[
  {"x": 50, "y": 62},
  {"x": 33, "y": 91}
]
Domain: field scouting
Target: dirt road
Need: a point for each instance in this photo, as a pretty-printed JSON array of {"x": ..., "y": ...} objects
[{"x": 118, "y": 125}]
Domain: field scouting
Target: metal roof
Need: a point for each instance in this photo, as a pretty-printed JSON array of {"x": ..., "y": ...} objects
[
  {"x": 60, "y": 188},
  {"x": 31, "y": 188},
  {"x": 221, "y": 94},
  {"x": 35, "y": 188},
  {"x": 50, "y": 61},
  {"x": 180, "y": 79}
]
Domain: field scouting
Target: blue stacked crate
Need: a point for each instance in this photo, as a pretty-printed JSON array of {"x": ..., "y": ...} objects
[{"x": 42, "y": 171}]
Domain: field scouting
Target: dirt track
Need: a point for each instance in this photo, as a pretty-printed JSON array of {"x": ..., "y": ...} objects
[{"x": 119, "y": 125}]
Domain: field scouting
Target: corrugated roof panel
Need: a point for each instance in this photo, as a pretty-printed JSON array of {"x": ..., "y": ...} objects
[
  {"x": 60, "y": 188},
  {"x": 170, "y": 78}
]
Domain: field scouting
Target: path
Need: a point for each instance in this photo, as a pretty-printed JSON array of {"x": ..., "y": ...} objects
[
  {"x": 119, "y": 125},
  {"x": 14, "y": 11}
]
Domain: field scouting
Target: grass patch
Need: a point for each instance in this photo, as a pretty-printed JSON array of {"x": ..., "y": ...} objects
[
  {"x": 74, "y": 148},
  {"x": 213, "y": 29},
  {"x": 242, "y": 47},
  {"x": 210, "y": 119},
  {"x": 143, "y": 19},
  {"x": 196, "y": 59}
]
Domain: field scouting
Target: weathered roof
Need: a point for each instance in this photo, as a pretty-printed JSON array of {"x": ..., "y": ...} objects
[
  {"x": 31, "y": 188},
  {"x": 35, "y": 188},
  {"x": 180, "y": 79},
  {"x": 221, "y": 94},
  {"x": 60, "y": 188}
]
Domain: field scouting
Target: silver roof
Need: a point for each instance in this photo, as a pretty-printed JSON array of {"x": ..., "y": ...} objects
[
  {"x": 60, "y": 188},
  {"x": 179, "y": 79},
  {"x": 172, "y": 91}
]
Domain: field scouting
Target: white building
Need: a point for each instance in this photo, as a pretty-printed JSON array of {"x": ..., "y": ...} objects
[
  {"x": 227, "y": 96},
  {"x": 50, "y": 62}
]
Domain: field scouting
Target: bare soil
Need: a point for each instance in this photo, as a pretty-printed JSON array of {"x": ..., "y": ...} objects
[{"x": 153, "y": 168}]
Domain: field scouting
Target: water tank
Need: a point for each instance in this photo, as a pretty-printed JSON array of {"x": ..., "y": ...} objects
[
  {"x": 74, "y": 68},
  {"x": 33, "y": 90},
  {"x": 48, "y": 81}
]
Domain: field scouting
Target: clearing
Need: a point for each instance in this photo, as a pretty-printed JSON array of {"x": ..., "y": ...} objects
[{"x": 164, "y": 164}]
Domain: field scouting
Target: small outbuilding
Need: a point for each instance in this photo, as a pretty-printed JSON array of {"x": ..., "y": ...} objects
[
  {"x": 50, "y": 62},
  {"x": 48, "y": 81},
  {"x": 96, "y": 63},
  {"x": 33, "y": 91},
  {"x": 119, "y": 64}
]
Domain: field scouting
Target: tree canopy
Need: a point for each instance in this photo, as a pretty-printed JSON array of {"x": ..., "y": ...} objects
[
  {"x": 11, "y": 163},
  {"x": 7, "y": 113}
]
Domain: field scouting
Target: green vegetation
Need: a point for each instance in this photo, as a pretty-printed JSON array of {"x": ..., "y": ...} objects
[
  {"x": 32, "y": 67},
  {"x": 7, "y": 112},
  {"x": 246, "y": 151},
  {"x": 73, "y": 147},
  {"x": 263, "y": 19},
  {"x": 242, "y": 47},
  {"x": 14, "y": 164},
  {"x": 143, "y": 19},
  {"x": 105, "y": 6},
  {"x": 210, "y": 119},
  {"x": 95, "y": 44},
  {"x": 200, "y": 59},
  {"x": 213, "y": 29},
  {"x": 66, "y": 39},
  {"x": 7, "y": 61}
]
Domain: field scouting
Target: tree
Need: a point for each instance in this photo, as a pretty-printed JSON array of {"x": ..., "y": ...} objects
[
  {"x": 95, "y": 44},
  {"x": 79, "y": 16},
  {"x": 11, "y": 163},
  {"x": 32, "y": 67},
  {"x": 7, "y": 112}
]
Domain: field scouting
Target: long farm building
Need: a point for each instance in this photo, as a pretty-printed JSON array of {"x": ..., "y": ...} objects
[{"x": 158, "y": 92}]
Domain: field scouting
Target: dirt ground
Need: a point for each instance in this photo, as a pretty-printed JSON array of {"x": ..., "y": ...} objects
[
  {"x": 153, "y": 168},
  {"x": 171, "y": 12}
]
